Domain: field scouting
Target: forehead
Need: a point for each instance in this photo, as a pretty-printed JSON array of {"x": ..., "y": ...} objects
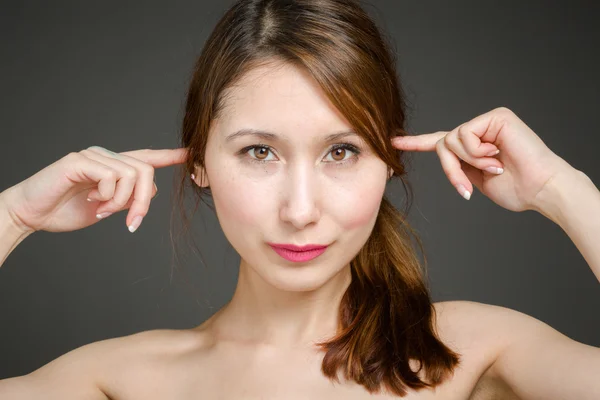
[{"x": 282, "y": 98}]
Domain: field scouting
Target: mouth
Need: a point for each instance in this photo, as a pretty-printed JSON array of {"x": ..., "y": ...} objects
[{"x": 295, "y": 253}]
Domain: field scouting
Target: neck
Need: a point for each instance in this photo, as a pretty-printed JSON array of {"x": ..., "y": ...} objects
[{"x": 260, "y": 313}]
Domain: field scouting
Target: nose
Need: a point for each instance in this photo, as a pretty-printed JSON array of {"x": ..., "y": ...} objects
[{"x": 300, "y": 200}]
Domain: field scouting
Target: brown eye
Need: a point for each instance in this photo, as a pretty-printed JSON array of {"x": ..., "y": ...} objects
[
  {"x": 338, "y": 154},
  {"x": 261, "y": 152}
]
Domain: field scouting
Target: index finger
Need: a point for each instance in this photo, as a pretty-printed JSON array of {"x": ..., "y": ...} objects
[
  {"x": 424, "y": 142},
  {"x": 159, "y": 158}
]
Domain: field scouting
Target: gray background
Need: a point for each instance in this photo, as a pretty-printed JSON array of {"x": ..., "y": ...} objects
[{"x": 114, "y": 74}]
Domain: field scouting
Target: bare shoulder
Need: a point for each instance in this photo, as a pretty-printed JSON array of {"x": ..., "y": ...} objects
[
  {"x": 498, "y": 324},
  {"x": 102, "y": 369},
  {"x": 467, "y": 327},
  {"x": 469, "y": 322},
  {"x": 464, "y": 321},
  {"x": 525, "y": 352},
  {"x": 483, "y": 331},
  {"x": 479, "y": 319},
  {"x": 143, "y": 360}
]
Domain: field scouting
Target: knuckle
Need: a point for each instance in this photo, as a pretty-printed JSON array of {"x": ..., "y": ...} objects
[
  {"x": 73, "y": 156},
  {"x": 147, "y": 169},
  {"x": 440, "y": 143},
  {"x": 130, "y": 172},
  {"x": 84, "y": 152},
  {"x": 111, "y": 174},
  {"x": 139, "y": 208},
  {"x": 93, "y": 149},
  {"x": 119, "y": 201},
  {"x": 452, "y": 140},
  {"x": 142, "y": 209},
  {"x": 503, "y": 110},
  {"x": 462, "y": 133}
]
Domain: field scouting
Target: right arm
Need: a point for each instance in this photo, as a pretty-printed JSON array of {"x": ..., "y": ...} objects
[
  {"x": 70, "y": 376},
  {"x": 54, "y": 200},
  {"x": 132, "y": 366},
  {"x": 67, "y": 377}
]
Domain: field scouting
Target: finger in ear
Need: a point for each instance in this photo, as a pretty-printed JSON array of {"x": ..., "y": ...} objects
[{"x": 203, "y": 177}]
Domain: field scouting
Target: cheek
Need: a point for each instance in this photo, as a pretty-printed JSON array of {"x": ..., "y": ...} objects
[
  {"x": 240, "y": 201},
  {"x": 355, "y": 204},
  {"x": 360, "y": 211}
]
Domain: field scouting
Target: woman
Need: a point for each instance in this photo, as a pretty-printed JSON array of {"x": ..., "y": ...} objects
[{"x": 294, "y": 124}]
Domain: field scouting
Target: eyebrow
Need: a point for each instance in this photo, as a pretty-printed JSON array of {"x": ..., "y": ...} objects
[{"x": 274, "y": 137}]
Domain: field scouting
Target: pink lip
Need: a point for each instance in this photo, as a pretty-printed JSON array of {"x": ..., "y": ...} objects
[{"x": 298, "y": 253}]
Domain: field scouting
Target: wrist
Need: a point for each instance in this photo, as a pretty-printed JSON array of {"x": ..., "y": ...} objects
[
  {"x": 10, "y": 222},
  {"x": 561, "y": 194},
  {"x": 11, "y": 234}
]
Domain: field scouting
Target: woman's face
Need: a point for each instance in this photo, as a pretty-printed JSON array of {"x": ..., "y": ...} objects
[{"x": 294, "y": 187}]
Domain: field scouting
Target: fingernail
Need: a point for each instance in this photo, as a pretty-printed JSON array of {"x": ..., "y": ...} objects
[
  {"x": 135, "y": 224},
  {"x": 193, "y": 177},
  {"x": 493, "y": 153},
  {"x": 103, "y": 215},
  {"x": 494, "y": 170},
  {"x": 463, "y": 192},
  {"x": 155, "y": 187}
]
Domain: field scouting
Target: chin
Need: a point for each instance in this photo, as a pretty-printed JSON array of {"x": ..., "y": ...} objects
[
  {"x": 303, "y": 279},
  {"x": 298, "y": 276}
]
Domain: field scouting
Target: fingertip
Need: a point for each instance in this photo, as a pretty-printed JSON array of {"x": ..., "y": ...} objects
[
  {"x": 398, "y": 144},
  {"x": 463, "y": 191},
  {"x": 137, "y": 221}
]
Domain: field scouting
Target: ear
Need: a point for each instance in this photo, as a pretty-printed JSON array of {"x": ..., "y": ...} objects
[{"x": 200, "y": 177}]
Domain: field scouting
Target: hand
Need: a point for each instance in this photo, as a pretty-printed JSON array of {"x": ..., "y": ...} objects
[
  {"x": 55, "y": 198},
  {"x": 516, "y": 175}
]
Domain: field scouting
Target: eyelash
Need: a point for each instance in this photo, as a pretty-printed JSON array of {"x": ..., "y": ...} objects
[{"x": 345, "y": 146}]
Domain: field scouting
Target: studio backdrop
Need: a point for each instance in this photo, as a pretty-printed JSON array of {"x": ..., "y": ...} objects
[{"x": 114, "y": 74}]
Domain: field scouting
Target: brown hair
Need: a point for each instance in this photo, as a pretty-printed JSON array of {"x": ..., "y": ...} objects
[{"x": 387, "y": 317}]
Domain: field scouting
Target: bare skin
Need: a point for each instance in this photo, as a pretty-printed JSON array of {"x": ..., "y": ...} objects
[
  {"x": 499, "y": 347},
  {"x": 194, "y": 364}
]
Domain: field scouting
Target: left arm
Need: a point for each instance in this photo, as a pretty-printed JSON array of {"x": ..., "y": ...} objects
[
  {"x": 572, "y": 201},
  {"x": 500, "y": 155},
  {"x": 535, "y": 360}
]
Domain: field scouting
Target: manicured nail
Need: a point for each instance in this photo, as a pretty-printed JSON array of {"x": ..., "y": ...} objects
[
  {"x": 135, "y": 224},
  {"x": 463, "y": 192},
  {"x": 103, "y": 215},
  {"x": 493, "y": 153},
  {"x": 494, "y": 170}
]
